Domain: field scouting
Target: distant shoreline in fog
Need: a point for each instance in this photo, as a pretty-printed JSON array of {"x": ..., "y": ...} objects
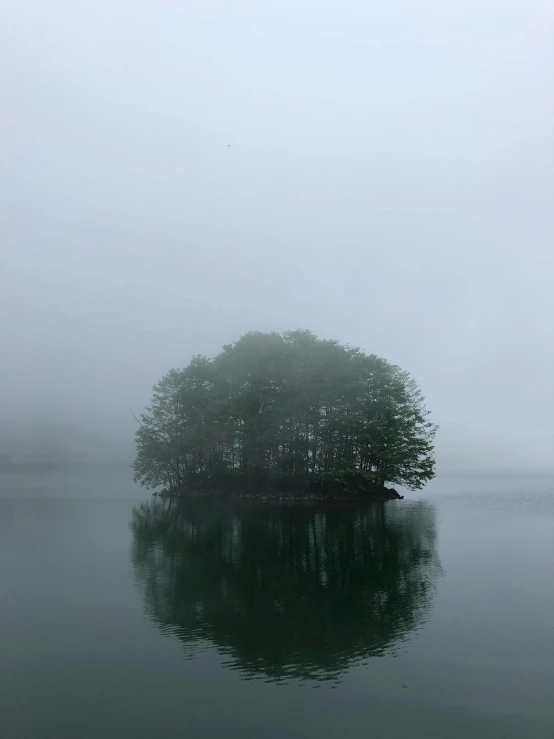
[
  {"x": 41, "y": 467},
  {"x": 517, "y": 473},
  {"x": 47, "y": 467}
]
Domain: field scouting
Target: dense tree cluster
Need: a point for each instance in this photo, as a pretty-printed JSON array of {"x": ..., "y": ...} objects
[{"x": 285, "y": 411}]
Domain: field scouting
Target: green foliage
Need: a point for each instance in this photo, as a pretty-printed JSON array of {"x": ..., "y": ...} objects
[{"x": 288, "y": 412}]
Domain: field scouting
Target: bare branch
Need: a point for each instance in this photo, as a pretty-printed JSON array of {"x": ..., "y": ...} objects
[{"x": 136, "y": 419}]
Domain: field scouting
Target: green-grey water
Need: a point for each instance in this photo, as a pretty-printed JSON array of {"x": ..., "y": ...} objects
[{"x": 123, "y": 616}]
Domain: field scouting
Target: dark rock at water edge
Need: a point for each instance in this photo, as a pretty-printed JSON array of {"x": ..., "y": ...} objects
[{"x": 377, "y": 494}]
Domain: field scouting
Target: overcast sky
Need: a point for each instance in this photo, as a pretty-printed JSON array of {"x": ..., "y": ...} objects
[{"x": 178, "y": 172}]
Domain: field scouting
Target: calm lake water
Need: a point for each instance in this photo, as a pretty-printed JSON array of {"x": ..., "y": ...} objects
[{"x": 429, "y": 617}]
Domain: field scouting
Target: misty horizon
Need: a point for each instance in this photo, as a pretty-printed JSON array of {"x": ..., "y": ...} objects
[{"x": 176, "y": 175}]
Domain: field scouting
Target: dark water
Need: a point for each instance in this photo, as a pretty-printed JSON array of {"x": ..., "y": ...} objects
[{"x": 429, "y": 617}]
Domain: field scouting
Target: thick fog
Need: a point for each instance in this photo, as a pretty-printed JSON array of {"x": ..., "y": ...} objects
[{"x": 178, "y": 172}]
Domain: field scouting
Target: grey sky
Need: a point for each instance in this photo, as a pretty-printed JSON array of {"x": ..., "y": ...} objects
[{"x": 177, "y": 172}]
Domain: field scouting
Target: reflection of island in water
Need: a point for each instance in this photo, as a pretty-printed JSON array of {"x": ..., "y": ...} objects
[{"x": 287, "y": 591}]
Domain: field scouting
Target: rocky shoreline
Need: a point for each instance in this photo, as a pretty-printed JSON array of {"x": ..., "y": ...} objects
[{"x": 380, "y": 494}]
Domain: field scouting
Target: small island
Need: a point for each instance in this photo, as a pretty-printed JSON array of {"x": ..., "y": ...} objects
[{"x": 286, "y": 416}]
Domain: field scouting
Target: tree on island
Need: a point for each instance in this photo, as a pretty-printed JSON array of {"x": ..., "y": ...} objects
[{"x": 285, "y": 413}]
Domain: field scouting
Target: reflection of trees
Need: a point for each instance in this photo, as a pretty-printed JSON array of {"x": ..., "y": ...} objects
[{"x": 287, "y": 591}]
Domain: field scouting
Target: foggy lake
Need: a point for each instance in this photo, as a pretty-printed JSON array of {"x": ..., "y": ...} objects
[
  {"x": 123, "y": 615},
  {"x": 283, "y": 249}
]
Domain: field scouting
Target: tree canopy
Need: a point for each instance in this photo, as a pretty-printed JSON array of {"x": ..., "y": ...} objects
[{"x": 285, "y": 412}]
